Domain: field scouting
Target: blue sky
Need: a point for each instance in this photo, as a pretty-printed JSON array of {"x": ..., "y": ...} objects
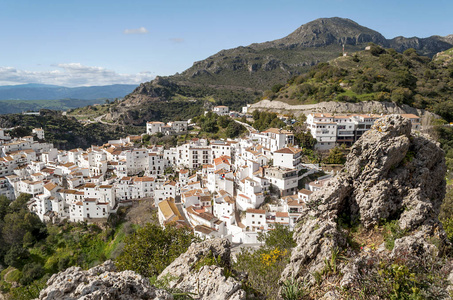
[{"x": 75, "y": 43}]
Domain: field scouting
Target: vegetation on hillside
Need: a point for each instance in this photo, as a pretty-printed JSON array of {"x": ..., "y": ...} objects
[
  {"x": 31, "y": 251},
  {"x": 214, "y": 126},
  {"x": 265, "y": 120},
  {"x": 377, "y": 74},
  {"x": 66, "y": 132},
  {"x": 444, "y": 135}
]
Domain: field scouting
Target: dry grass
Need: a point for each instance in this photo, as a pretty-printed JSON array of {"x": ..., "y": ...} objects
[
  {"x": 142, "y": 212},
  {"x": 368, "y": 239}
]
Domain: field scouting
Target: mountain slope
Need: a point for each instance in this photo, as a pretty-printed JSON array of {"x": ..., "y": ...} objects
[
  {"x": 237, "y": 76},
  {"x": 377, "y": 75},
  {"x": 53, "y": 92},
  {"x": 264, "y": 64}
]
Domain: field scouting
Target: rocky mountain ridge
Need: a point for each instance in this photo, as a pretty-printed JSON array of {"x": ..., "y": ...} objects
[
  {"x": 317, "y": 41},
  {"x": 238, "y": 76}
]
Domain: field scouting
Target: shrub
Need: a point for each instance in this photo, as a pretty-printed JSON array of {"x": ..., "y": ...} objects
[
  {"x": 292, "y": 290},
  {"x": 152, "y": 248},
  {"x": 264, "y": 267},
  {"x": 392, "y": 231},
  {"x": 30, "y": 272}
]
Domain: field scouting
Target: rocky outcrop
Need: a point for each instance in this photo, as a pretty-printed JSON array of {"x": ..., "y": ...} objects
[
  {"x": 100, "y": 282},
  {"x": 374, "y": 107},
  {"x": 389, "y": 175},
  {"x": 202, "y": 272},
  {"x": 188, "y": 274}
]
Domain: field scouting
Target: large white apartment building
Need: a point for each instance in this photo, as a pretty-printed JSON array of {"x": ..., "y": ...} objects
[{"x": 331, "y": 130}]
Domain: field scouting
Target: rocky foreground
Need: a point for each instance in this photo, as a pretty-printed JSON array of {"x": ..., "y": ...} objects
[
  {"x": 390, "y": 175},
  {"x": 192, "y": 274}
]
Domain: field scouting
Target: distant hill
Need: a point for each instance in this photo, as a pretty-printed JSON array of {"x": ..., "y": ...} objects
[
  {"x": 53, "y": 92},
  {"x": 261, "y": 65},
  {"x": 237, "y": 76},
  {"x": 18, "y": 106}
]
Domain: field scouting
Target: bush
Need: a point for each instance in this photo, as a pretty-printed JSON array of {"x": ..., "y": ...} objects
[
  {"x": 152, "y": 248},
  {"x": 16, "y": 256},
  {"x": 280, "y": 237},
  {"x": 405, "y": 277},
  {"x": 30, "y": 272},
  {"x": 336, "y": 156},
  {"x": 264, "y": 267},
  {"x": 392, "y": 232}
]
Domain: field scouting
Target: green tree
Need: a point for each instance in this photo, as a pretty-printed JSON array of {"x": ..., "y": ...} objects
[
  {"x": 152, "y": 248},
  {"x": 280, "y": 237},
  {"x": 19, "y": 203},
  {"x": 30, "y": 272},
  {"x": 17, "y": 224},
  {"x": 4, "y": 206},
  {"x": 224, "y": 121},
  {"x": 234, "y": 130},
  {"x": 210, "y": 125},
  {"x": 276, "y": 87},
  {"x": 16, "y": 256},
  {"x": 336, "y": 156}
]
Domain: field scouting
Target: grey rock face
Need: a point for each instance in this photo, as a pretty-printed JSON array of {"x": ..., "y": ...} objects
[
  {"x": 389, "y": 174},
  {"x": 101, "y": 282},
  {"x": 209, "y": 282}
]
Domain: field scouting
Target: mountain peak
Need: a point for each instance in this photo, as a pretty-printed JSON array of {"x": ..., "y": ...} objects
[{"x": 327, "y": 31}]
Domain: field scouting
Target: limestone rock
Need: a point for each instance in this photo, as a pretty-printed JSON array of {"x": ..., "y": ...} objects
[
  {"x": 343, "y": 107},
  {"x": 414, "y": 245},
  {"x": 209, "y": 282},
  {"x": 315, "y": 238},
  {"x": 389, "y": 174},
  {"x": 101, "y": 282}
]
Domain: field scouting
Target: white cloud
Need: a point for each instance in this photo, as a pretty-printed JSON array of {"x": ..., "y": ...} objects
[
  {"x": 177, "y": 40},
  {"x": 71, "y": 75},
  {"x": 141, "y": 30}
]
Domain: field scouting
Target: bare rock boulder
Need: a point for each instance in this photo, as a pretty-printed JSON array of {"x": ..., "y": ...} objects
[
  {"x": 189, "y": 274},
  {"x": 100, "y": 282},
  {"x": 389, "y": 175}
]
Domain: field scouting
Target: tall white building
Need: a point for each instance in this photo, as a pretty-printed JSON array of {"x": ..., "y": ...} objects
[{"x": 331, "y": 130}]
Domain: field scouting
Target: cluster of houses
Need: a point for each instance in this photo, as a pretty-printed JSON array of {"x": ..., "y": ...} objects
[{"x": 220, "y": 188}]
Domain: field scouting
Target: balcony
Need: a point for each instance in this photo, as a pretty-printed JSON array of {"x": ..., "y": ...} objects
[
  {"x": 346, "y": 133},
  {"x": 270, "y": 219}
]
